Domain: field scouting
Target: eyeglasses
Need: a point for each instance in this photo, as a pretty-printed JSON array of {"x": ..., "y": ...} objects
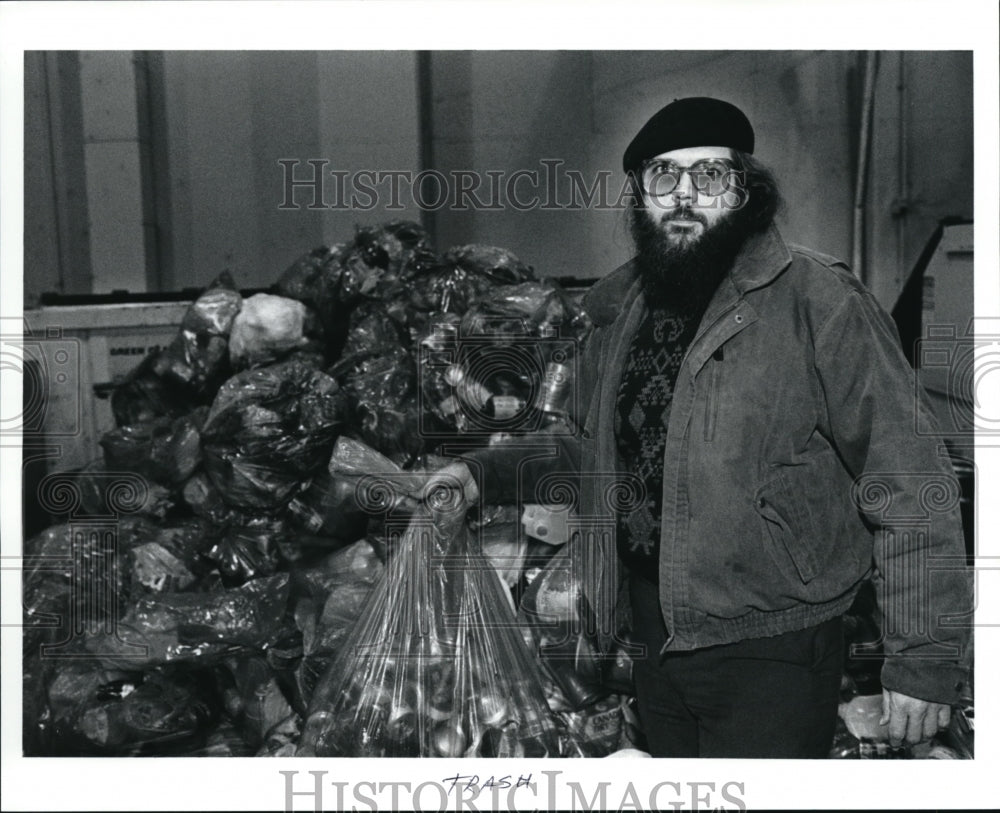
[{"x": 711, "y": 176}]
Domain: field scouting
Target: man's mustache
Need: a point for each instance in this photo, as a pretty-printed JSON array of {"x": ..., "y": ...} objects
[{"x": 685, "y": 215}]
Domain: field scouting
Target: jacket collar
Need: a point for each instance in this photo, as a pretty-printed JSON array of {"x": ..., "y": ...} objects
[{"x": 763, "y": 258}]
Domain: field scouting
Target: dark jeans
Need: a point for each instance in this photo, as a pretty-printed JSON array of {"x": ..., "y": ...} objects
[{"x": 765, "y": 697}]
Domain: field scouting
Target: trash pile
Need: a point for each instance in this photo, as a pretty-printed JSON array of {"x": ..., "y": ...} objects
[{"x": 245, "y": 570}]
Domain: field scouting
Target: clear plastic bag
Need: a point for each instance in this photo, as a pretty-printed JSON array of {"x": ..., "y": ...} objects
[
  {"x": 436, "y": 665},
  {"x": 332, "y": 596},
  {"x": 553, "y": 610}
]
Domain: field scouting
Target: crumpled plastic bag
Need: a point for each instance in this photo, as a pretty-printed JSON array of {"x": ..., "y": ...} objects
[
  {"x": 265, "y": 329},
  {"x": 143, "y": 395},
  {"x": 534, "y": 308},
  {"x": 329, "y": 507},
  {"x": 464, "y": 276},
  {"x": 314, "y": 280},
  {"x": 248, "y": 551},
  {"x": 167, "y": 451},
  {"x": 167, "y": 559},
  {"x": 331, "y": 596},
  {"x": 500, "y": 265},
  {"x": 254, "y": 700},
  {"x": 162, "y": 712},
  {"x": 553, "y": 610},
  {"x": 380, "y": 260},
  {"x": 384, "y": 411},
  {"x": 269, "y": 430},
  {"x": 205, "y": 500},
  {"x": 186, "y": 373},
  {"x": 381, "y": 486},
  {"x": 197, "y": 628},
  {"x": 100, "y": 489}
]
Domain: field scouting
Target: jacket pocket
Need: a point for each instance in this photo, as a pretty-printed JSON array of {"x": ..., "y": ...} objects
[
  {"x": 712, "y": 401},
  {"x": 789, "y": 524}
]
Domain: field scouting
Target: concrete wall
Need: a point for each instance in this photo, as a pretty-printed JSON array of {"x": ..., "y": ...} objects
[
  {"x": 219, "y": 123},
  {"x": 232, "y": 116},
  {"x": 506, "y": 111}
]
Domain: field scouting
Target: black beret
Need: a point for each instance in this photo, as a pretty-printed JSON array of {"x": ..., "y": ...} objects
[{"x": 694, "y": 122}]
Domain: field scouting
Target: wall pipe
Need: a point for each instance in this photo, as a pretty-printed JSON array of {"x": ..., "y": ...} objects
[
  {"x": 861, "y": 181},
  {"x": 902, "y": 202}
]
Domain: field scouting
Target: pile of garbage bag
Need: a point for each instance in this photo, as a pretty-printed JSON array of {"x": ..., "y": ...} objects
[{"x": 245, "y": 570}]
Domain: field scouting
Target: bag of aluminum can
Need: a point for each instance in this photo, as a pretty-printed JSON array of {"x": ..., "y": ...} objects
[{"x": 436, "y": 665}]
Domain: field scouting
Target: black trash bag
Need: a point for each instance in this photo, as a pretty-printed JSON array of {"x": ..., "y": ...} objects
[
  {"x": 269, "y": 430},
  {"x": 198, "y": 358},
  {"x": 224, "y": 740},
  {"x": 448, "y": 288},
  {"x": 384, "y": 409},
  {"x": 128, "y": 447},
  {"x": 198, "y": 628},
  {"x": 465, "y": 276},
  {"x": 186, "y": 373},
  {"x": 76, "y": 584},
  {"x": 168, "y": 559},
  {"x": 54, "y": 689},
  {"x": 329, "y": 508},
  {"x": 102, "y": 490},
  {"x": 163, "y": 712},
  {"x": 500, "y": 265},
  {"x": 372, "y": 332},
  {"x": 253, "y": 698},
  {"x": 401, "y": 247},
  {"x": 314, "y": 280},
  {"x": 248, "y": 551},
  {"x": 167, "y": 451},
  {"x": 539, "y": 309},
  {"x": 435, "y": 666},
  {"x": 144, "y": 395},
  {"x": 66, "y": 570},
  {"x": 205, "y": 500},
  {"x": 380, "y": 260},
  {"x": 36, "y": 713}
]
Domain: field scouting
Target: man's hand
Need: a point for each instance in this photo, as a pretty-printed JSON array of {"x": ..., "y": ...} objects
[
  {"x": 912, "y": 720},
  {"x": 441, "y": 486}
]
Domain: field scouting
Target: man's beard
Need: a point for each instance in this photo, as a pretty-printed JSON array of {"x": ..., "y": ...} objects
[{"x": 684, "y": 271}]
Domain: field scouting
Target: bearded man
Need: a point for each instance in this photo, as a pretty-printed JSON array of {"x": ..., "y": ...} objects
[{"x": 758, "y": 395}]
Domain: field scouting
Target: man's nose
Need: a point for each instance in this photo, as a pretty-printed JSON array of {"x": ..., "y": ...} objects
[{"x": 684, "y": 190}]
